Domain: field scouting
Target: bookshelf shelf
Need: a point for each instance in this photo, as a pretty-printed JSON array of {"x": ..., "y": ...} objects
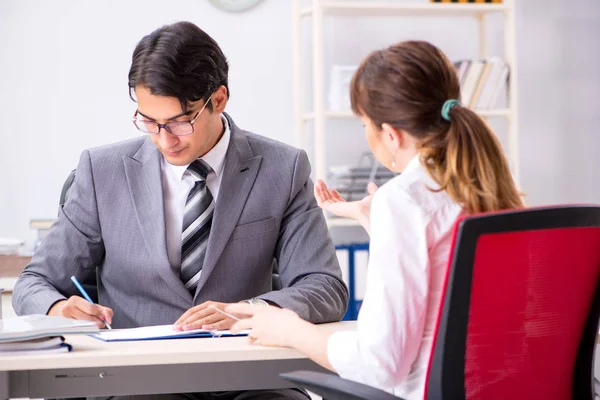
[
  {"x": 333, "y": 222},
  {"x": 374, "y": 9},
  {"x": 319, "y": 115}
]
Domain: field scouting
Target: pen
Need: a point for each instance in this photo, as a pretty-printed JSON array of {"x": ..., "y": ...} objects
[
  {"x": 84, "y": 294},
  {"x": 224, "y": 313}
]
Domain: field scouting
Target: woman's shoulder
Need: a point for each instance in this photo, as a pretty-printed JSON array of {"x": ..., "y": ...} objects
[
  {"x": 414, "y": 190},
  {"x": 393, "y": 198}
]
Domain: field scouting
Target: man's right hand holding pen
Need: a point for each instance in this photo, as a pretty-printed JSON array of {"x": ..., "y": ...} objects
[{"x": 79, "y": 308}]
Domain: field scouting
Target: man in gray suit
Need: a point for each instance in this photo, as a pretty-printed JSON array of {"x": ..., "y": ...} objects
[{"x": 197, "y": 212}]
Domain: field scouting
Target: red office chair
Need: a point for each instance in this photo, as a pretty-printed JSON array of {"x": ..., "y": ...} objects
[{"x": 520, "y": 312}]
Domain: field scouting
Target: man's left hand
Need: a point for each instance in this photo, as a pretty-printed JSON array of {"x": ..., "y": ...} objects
[{"x": 203, "y": 316}]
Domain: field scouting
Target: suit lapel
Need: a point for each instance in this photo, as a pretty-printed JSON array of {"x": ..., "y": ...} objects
[
  {"x": 145, "y": 186},
  {"x": 239, "y": 174}
]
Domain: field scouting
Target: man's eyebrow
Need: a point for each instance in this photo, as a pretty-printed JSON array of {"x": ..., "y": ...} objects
[{"x": 189, "y": 112}]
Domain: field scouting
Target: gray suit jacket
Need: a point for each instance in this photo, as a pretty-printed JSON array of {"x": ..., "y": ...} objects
[{"x": 265, "y": 217}]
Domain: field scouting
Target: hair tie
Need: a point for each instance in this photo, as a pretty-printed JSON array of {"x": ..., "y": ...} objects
[{"x": 449, "y": 105}]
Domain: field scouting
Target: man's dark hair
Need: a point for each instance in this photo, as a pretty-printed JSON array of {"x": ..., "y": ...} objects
[{"x": 179, "y": 60}]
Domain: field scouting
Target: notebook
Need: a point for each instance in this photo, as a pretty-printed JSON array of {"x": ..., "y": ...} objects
[
  {"x": 159, "y": 332},
  {"x": 36, "y": 326}
]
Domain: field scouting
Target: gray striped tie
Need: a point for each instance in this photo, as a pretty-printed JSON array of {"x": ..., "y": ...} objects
[{"x": 197, "y": 220}]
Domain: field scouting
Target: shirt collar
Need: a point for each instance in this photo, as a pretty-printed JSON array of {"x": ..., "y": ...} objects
[
  {"x": 413, "y": 164},
  {"x": 215, "y": 158}
]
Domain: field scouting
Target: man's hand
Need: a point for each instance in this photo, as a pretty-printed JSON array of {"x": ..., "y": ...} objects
[
  {"x": 204, "y": 317},
  {"x": 79, "y": 308}
]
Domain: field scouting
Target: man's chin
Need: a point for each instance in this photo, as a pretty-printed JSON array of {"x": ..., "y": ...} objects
[{"x": 177, "y": 158}]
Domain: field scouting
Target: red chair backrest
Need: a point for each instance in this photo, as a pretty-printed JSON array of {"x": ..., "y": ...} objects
[{"x": 519, "y": 317}]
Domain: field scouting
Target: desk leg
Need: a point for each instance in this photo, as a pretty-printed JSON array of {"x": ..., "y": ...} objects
[{"x": 4, "y": 389}]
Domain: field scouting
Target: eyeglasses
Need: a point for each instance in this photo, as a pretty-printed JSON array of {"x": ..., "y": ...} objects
[{"x": 176, "y": 128}]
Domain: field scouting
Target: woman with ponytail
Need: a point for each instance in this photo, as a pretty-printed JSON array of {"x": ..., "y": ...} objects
[{"x": 408, "y": 97}]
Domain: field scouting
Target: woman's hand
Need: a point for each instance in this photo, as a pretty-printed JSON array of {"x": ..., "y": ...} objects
[
  {"x": 271, "y": 326},
  {"x": 330, "y": 200}
]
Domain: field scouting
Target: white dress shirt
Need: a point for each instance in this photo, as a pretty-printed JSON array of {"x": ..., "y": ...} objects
[
  {"x": 411, "y": 229},
  {"x": 177, "y": 183}
]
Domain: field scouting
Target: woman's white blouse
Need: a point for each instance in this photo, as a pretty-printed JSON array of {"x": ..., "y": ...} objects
[{"x": 411, "y": 228}]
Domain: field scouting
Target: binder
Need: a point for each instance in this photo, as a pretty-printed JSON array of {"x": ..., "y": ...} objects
[{"x": 35, "y": 346}]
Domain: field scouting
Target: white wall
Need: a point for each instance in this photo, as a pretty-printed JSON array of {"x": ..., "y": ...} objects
[
  {"x": 559, "y": 79},
  {"x": 63, "y": 86}
]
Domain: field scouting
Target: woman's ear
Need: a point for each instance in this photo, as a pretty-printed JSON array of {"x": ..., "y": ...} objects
[{"x": 392, "y": 137}]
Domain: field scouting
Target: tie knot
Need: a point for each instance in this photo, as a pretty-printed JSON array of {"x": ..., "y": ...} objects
[{"x": 199, "y": 169}]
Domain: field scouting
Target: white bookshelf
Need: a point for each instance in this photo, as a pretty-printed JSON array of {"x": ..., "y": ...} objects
[
  {"x": 380, "y": 8},
  {"x": 341, "y": 222},
  {"x": 348, "y": 114},
  {"x": 319, "y": 115}
]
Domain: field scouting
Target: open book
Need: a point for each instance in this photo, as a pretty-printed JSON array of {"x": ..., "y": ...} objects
[
  {"x": 36, "y": 326},
  {"x": 158, "y": 332}
]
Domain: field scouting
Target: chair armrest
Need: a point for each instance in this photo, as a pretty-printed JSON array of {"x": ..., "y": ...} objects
[{"x": 332, "y": 387}]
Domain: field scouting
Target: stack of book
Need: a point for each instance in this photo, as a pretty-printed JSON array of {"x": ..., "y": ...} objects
[
  {"x": 34, "y": 334},
  {"x": 482, "y": 81}
]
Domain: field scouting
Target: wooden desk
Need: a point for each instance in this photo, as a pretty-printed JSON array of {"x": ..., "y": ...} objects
[{"x": 96, "y": 368}]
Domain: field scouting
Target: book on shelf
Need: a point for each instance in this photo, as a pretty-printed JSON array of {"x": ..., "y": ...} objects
[
  {"x": 472, "y": 77},
  {"x": 482, "y": 81}
]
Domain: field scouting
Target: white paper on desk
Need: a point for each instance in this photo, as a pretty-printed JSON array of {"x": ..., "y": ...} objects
[{"x": 158, "y": 332}]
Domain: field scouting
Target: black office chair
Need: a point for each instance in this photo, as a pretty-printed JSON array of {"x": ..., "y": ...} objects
[{"x": 89, "y": 282}]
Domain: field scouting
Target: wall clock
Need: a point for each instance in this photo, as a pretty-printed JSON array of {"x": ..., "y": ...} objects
[{"x": 235, "y": 5}]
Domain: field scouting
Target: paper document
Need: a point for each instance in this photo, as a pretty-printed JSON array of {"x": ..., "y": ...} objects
[{"x": 158, "y": 332}]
